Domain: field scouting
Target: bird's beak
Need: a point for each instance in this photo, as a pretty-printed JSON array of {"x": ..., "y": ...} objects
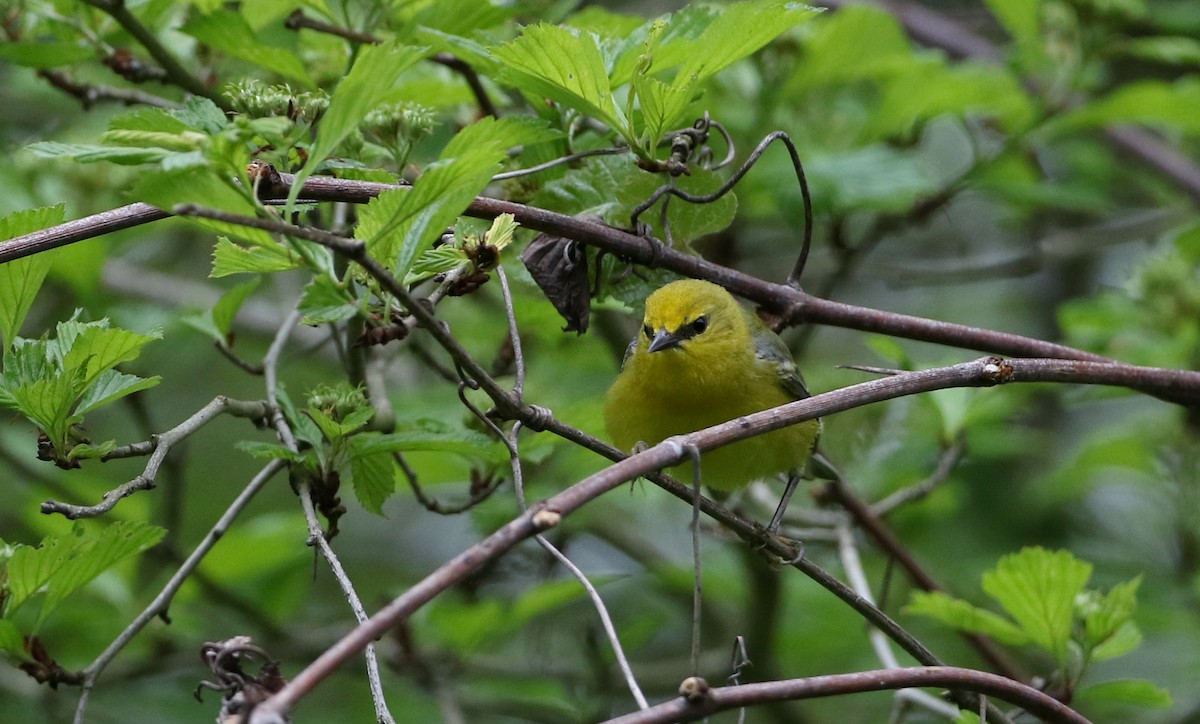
[{"x": 664, "y": 340}]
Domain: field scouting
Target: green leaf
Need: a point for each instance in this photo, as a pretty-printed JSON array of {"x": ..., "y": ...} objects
[
  {"x": 326, "y": 301},
  {"x": 435, "y": 261},
  {"x": 365, "y": 87},
  {"x": 100, "y": 348},
  {"x": 202, "y": 186},
  {"x": 226, "y": 308},
  {"x": 739, "y": 31},
  {"x": 111, "y": 386},
  {"x": 48, "y": 402},
  {"x": 1019, "y": 18},
  {"x": 963, "y": 616},
  {"x": 463, "y": 17},
  {"x": 88, "y": 153},
  {"x": 1150, "y": 102},
  {"x": 428, "y": 436},
  {"x": 29, "y": 569},
  {"x": 12, "y": 641},
  {"x": 1111, "y": 612},
  {"x": 95, "y": 552},
  {"x": 552, "y": 62},
  {"x": 926, "y": 90},
  {"x": 663, "y": 106},
  {"x": 374, "y": 480},
  {"x": 84, "y": 451},
  {"x": 149, "y": 119},
  {"x": 62, "y": 565},
  {"x": 21, "y": 279},
  {"x": 1126, "y": 639},
  {"x": 1129, "y": 692},
  {"x": 230, "y": 258},
  {"x": 1038, "y": 588},
  {"x": 44, "y": 54},
  {"x": 856, "y": 42},
  {"x": 268, "y": 450},
  {"x": 201, "y": 114},
  {"x": 228, "y": 32},
  {"x": 397, "y": 225}
]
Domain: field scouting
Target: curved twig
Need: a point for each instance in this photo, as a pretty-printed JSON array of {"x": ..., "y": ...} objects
[{"x": 710, "y": 701}]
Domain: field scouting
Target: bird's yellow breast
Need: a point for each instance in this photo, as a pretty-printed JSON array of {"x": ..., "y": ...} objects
[{"x": 709, "y": 378}]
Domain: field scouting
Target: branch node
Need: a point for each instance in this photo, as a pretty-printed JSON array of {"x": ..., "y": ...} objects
[
  {"x": 546, "y": 519},
  {"x": 695, "y": 689}
]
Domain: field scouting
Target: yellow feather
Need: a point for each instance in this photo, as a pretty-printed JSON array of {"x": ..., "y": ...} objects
[{"x": 711, "y": 362}]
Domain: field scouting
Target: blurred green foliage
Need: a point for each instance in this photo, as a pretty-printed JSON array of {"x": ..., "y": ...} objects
[{"x": 981, "y": 191}]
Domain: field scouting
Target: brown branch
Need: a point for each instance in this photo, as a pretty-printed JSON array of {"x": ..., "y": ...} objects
[
  {"x": 887, "y": 541},
  {"x": 701, "y": 701},
  {"x": 979, "y": 373},
  {"x": 176, "y": 73},
  {"x": 89, "y": 94},
  {"x": 796, "y": 305}
]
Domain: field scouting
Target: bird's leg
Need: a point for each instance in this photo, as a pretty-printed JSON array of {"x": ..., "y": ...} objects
[{"x": 793, "y": 481}]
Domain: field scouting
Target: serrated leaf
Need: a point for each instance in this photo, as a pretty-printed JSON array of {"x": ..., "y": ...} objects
[
  {"x": 428, "y": 439},
  {"x": 330, "y": 428},
  {"x": 149, "y": 119},
  {"x": 226, "y": 308},
  {"x": 1112, "y": 611},
  {"x": 268, "y": 450},
  {"x": 111, "y": 386},
  {"x": 95, "y": 552},
  {"x": 326, "y": 301},
  {"x": 99, "y": 349},
  {"x": 738, "y": 31},
  {"x": 463, "y": 17},
  {"x": 230, "y": 258},
  {"x": 963, "y": 616},
  {"x": 366, "y": 85},
  {"x": 397, "y": 225},
  {"x": 550, "y": 61},
  {"x": 84, "y": 451},
  {"x": 29, "y": 569},
  {"x": 201, "y": 114},
  {"x": 48, "y": 402},
  {"x": 200, "y": 185},
  {"x": 21, "y": 279},
  {"x": 435, "y": 261},
  {"x": 89, "y": 153},
  {"x": 662, "y": 105},
  {"x": 374, "y": 480},
  {"x": 1037, "y": 588},
  {"x": 228, "y": 32}
]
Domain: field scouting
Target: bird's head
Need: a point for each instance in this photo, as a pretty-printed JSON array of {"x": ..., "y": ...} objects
[{"x": 693, "y": 316}]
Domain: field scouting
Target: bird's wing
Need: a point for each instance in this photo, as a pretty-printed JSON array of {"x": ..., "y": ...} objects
[
  {"x": 629, "y": 351},
  {"x": 770, "y": 348}
]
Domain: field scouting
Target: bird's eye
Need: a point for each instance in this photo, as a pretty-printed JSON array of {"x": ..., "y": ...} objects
[
  {"x": 699, "y": 325},
  {"x": 648, "y": 332}
]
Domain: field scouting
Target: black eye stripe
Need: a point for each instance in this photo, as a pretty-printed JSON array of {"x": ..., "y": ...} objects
[
  {"x": 648, "y": 331},
  {"x": 697, "y": 326}
]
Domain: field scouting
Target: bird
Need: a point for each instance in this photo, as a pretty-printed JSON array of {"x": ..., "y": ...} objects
[{"x": 701, "y": 359}]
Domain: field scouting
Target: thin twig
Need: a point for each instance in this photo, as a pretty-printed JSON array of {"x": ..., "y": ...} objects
[
  {"x": 713, "y": 700},
  {"x": 157, "y": 447},
  {"x": 176, "y": 73},
  {"x": 857, "y": 578},
  {"x": 90, "y": 94},
  {"x": 946, "y": 464},
  {"x": 512, "y": 443},
  {"x": 161, "y": 602}
]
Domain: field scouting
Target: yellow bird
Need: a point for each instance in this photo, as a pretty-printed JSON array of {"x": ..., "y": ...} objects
[{"x": 699, "y": 360}]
